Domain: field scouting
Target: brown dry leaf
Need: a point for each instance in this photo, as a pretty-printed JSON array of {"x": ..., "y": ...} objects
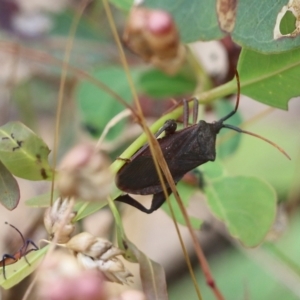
[
  {"x": 226, "y": 12},
  {"x": 152, "y": 275}
]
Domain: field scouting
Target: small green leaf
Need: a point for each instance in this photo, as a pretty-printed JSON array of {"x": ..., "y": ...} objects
[
  {"x": 213, "y": 170},
  {"x": 227, "y": 140},
  {"x": 24, "y": 153},
  {"x": 9, "y": 189},
  {"x": 272, "y": 79},
  {"x": 157, "y": 84},
  {"x": 16, "y": 272},
  {"x": 96, "y": 107},
  {"x": 247, "y": 205}
]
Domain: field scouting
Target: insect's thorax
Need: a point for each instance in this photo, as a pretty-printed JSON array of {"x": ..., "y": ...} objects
[{"x": 206, "y": 139}]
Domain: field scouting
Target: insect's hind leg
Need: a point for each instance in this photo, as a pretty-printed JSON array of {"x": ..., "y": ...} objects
[
  {"x": 157, "y": 201},
  {"x": 29, "y": 242},
  {"x": 186, "y": 112}
]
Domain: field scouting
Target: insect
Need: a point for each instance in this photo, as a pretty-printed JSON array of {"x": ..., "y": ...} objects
[
  {"x": 183, "y": 151},
  {"x": 8, "y": 259}
]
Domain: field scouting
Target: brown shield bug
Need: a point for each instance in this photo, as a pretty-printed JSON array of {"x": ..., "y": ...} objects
[
  {"x": 8, "y": 259},
  {"x": 183, "y": 151}
]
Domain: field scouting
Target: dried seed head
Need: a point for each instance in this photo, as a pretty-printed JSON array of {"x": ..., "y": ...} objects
[
  {"x": 153, "y": 35},
  {"x": 112, "y": 269},
  {"x": 95, "y": 247},
  {"x": 99, "y": 254},
  {"x": 58, "y": 220},
  {"x": 85, "y": 174},
  {"x": 115, "y": 271}
]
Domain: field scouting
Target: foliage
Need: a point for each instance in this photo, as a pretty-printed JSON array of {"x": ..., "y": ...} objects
[{"x": 241, "y": 196}]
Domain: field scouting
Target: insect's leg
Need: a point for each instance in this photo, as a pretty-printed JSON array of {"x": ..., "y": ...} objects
[
  {"x": 33, "y": 244},
  {"x": 29, "y": 242},
  {"x": 4, "y": 257},
  {"x": 130, "y": 201},
  {"x": 195, "y": 110},
  {"x": 169, "y": 127},
  {"x": 200, "y": 178},
  {"x": 185, "y": 113},
  {"x": 158, "y": 200},
  {"x": 124, "y": 159}
]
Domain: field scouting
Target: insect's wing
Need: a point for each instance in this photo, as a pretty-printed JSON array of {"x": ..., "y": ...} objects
[
  {"x": 139, "y": 176},
  {"x": 186, "y": 150},
  {"x": 183, "y": 150}
]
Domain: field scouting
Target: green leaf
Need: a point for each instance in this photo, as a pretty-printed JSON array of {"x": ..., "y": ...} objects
[
  {"x": 62, "y": 23},
  {"x": 9, "y": 189},
  {"x": 254, "y": 26},
  {"x": 255, "y": 22},
  {"x": 121, "y": 236},
  {"x": 156, "y": 84},
  {"x": 42, "y": 200},
  {"x": 96, "y": 107},
  {"x": 152, "y": 274},
  {"x": 84, "y": 209},
  {"x": 122, "y": 4},
  {"x": 23, "y": 153},
  {"x": 16, "y": 272},
  {"x": 257, "y": 157},
  {"x": 272, "y": 79},
  {"x": 196, "y": 20},
  {"x": 227, "y": 141},
  {"x": 247, "y": 205}
]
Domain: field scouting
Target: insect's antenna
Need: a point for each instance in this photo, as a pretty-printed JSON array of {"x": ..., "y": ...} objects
[
  {"x": 256, "y": 135},
  {"x": 237, "y": 98},
  {"x": 17, "y": 231}
]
